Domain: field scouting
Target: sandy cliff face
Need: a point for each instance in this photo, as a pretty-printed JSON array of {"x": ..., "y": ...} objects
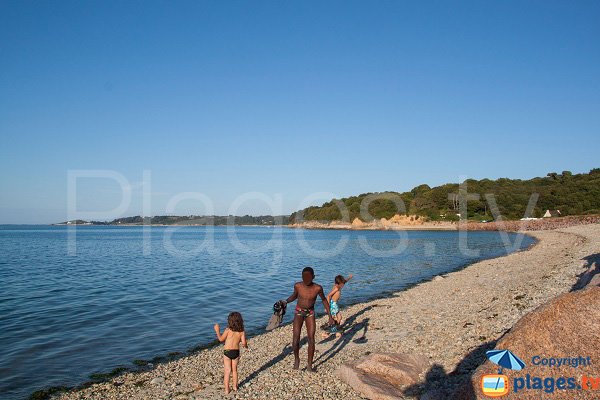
[
  {"x": 395, "y": 222},
  {"x": 403, "y": 220}
]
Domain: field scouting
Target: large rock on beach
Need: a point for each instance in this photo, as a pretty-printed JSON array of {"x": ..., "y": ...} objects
[
  {"x": 381, "y": 376},
  {"x": 565, "y": 331}
]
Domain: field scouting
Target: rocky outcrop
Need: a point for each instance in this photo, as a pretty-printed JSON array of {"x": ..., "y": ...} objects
[
  {"x": 357, "y": 223},
  {"x": 381, "y": 376}
]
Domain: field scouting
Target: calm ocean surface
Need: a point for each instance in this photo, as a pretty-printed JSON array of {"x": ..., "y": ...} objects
[{"x": 132, "y": 293}]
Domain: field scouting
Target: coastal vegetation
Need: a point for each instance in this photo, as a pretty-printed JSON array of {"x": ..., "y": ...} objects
[{"x": 571, "y": 194}]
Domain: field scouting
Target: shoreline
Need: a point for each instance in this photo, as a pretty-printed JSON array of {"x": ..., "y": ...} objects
[
  {"x": 203, "y": 368},
  {"x": 539, "y": 224},
  {"x": 401, "y": 224}
]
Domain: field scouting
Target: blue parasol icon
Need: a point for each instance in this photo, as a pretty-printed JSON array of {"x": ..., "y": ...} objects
[{"x": 505, "y": 359}]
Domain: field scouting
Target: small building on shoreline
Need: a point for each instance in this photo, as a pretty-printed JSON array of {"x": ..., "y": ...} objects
[{"x": 552, "y": 213}]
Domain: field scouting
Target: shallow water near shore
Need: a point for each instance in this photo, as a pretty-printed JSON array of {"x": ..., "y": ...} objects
[{"x": 132, "y": 293}]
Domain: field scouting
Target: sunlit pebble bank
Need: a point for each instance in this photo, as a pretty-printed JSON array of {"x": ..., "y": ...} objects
[{"x": 541, "y": 224}]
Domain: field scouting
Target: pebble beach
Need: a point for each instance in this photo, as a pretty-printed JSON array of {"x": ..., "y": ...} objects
[{"x": 451, "y": 320}]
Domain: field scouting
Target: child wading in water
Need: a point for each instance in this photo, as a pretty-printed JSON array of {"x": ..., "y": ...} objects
[
  {"x": 333, "y": 297},
  {"x": 232, "y": 336}
]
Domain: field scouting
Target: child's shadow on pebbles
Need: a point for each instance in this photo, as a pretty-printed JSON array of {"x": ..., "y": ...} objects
[
  {"x": 351, "y": 330},
  {"x": 349, "y": 324},
  {"x": 343, "y": 341},
  {"x": 287, "y": 350}
]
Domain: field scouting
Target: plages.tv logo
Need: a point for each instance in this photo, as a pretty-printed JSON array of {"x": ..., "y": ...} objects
[{"x": 496, "y": 385}]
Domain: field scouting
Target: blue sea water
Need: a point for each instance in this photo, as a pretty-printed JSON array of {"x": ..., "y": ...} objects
[{"x": 77, "y": 301}]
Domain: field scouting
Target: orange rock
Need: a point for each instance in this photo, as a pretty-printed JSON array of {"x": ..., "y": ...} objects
[{"x": 567, "y": 327}]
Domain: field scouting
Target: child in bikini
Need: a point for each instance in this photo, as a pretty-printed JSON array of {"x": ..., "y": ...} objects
[
  {"x": 233, "y": 335},
  {"x": 333, "y": 297}
]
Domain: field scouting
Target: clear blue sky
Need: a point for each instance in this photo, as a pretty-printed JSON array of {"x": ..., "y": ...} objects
[{"x": 289, "y": 98}]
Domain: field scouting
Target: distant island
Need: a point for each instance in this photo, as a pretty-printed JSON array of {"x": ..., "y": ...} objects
[{"x": 189, "y": 220}]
